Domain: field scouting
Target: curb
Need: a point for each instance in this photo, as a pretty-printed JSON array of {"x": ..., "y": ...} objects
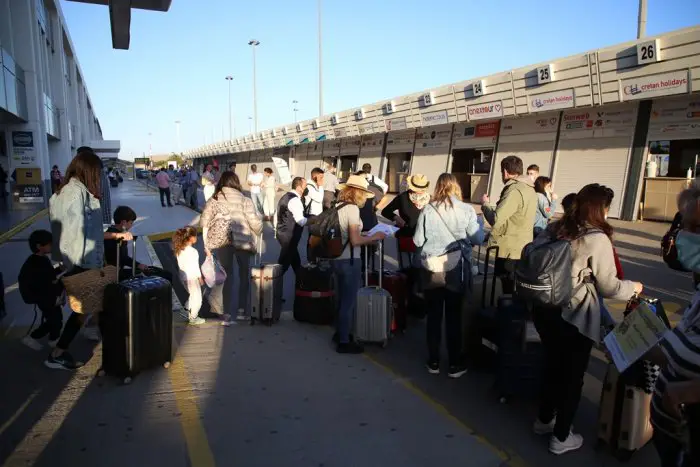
[{"x": 22, "y": 225}]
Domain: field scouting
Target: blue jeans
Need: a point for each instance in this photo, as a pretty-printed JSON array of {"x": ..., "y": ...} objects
[
  {"x": 348, "y": 275},
  {"x": 257, "y": 202}
]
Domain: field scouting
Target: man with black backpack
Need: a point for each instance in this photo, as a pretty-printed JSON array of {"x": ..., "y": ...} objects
[{"x": 290, "y": 225}]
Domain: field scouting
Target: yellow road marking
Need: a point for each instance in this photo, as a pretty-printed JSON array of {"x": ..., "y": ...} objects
[
  {"x": 198, "y": 447},
  {"x": 19, "y": 411},
  {"x": 508, "y": 457},
  {"x": 22, "y": 225}
]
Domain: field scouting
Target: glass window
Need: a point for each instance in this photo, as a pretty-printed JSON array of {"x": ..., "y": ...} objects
[{"x": 10, "y": 91}]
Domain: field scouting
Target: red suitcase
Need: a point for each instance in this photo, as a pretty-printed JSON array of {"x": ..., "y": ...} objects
[{"x": 396, "y": 283}]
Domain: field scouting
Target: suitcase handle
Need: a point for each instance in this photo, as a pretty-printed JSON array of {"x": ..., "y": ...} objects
[
  {"x": 486, "y": 276},
  {"x": 381, "y": 263},
  {"x": 133, "y": 257}
]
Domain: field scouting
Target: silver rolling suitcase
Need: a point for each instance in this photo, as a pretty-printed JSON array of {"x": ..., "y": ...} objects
[
  {"x": 374, "y": 308},
  {"x": 265, "y": 290}
]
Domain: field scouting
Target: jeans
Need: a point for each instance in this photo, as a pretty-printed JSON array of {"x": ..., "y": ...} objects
[
  {"x": 164, "y": 195},
  {"x": 348, "y": 275},
  {"x": 51, "y": 321},
  {"x": 566, "y": 354},
  {"x": 436, "y": 300},
  {"x": 226, "y": 255},
  {"x": 257, "y": 202}
]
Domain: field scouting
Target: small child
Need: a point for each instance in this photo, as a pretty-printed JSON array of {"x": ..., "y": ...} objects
[
  {"x": 39, "y": 285},
  {"x": 191, "y": 274}
]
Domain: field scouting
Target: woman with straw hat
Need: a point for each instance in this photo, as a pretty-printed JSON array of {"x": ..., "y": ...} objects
[
  {"x": 406, "y": 207},
  {"x": 347, "y": 267}
]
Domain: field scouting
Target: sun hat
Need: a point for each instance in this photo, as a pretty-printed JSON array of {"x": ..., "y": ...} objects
[
  {"x": 418, "y": 183},
  {"x": 359, "y": 182}
]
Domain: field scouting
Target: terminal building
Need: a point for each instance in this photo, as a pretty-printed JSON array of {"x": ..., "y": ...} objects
[
  {"x": 45, "y": 109},
  {"x": 626, "y": 116}
]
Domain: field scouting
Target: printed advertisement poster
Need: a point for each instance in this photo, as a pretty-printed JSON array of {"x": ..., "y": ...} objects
[{"x": 23, "y": 149}]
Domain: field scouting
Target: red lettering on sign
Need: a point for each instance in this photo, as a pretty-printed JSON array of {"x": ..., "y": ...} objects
[{"x": 486, "y": 129}]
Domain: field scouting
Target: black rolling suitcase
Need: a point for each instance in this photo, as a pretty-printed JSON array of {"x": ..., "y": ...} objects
[
  {"x": 136, "y": 325},
  {"x": 314, "y": 295}
]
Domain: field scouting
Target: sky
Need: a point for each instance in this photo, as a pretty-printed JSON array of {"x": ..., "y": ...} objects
[{"x": 176, "y": 66}]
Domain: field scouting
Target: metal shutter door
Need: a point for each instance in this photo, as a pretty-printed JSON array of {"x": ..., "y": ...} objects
[
  {"x": 600, "y": 160},
  {"x": 539, "y": 152}
]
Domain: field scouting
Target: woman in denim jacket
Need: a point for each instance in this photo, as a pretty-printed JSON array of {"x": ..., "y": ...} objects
[
  {"x": 76, "y": 224},
  {"x": 447, "y": 228}
]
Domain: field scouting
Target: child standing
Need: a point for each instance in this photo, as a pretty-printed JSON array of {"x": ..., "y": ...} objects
[
  {"x": 39, "y": 285},
  {"x": 190, "y": 273}
]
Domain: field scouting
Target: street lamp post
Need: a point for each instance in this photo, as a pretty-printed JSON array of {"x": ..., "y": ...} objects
[
  {"x": 150, "y": 146},
  {"x": 177, "y": 131},
  {"x": 254, "y": 44},
  {"x": 295, "y": 102},
  {"x": 250, "y": 124},
  {"x": 320, "y": 63},
  {"x": 231, "y": 132}
]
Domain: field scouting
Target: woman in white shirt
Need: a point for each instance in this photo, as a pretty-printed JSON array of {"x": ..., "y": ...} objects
[
  {"x": 270, "y": 187},
  {"x": 190, "y": 273},
  {"x": 208, "y": 183}
]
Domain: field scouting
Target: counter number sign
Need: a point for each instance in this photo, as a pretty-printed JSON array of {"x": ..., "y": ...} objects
[
  {"x": 478, "y": 88},
  {"x": 648, "y": 52},
  {"x": 544, "y": 74}
]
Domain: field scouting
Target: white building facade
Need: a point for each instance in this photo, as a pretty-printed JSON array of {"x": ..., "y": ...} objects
[{"x": 45, "y": 109}]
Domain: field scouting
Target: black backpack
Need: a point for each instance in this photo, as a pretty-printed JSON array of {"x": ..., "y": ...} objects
[
  {"x": 325, "y": 237},
  {"x": 543, "y": 274},
  {"x": 375, "y": 189}
]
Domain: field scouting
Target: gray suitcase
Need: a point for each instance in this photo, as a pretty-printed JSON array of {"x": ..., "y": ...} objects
[
  {"x": 374, "y": 309},
  {"x": 265, "y": 291}
]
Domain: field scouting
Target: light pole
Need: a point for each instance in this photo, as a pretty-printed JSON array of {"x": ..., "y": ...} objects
[
  {"x": 250, "y": 124},
  {"x": 642, "y": 19},
  {"x": 254, "y": 44},
  {"x": 320, "y": 63},
  {"x": 177, "y": 130},
  {"x": 295, "y": 102},
  {"x": 150, "y": 147},
  {"x": 231, "y": 131}
]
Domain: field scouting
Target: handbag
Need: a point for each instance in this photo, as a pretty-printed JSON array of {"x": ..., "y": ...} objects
[
  {"x": 433, "y": 278},
  {"x": 85, "y": 290}
]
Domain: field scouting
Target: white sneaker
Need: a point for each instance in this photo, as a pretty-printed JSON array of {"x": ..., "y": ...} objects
[
  {"x": 92, "y": 333},
  {"x": 32, "y": 343},
  {"x": 197, "y": 321},
  {"x": 226, "y": 320},
  {"x": 541, "y": 428},
  {"x": 573, "y": 442}
]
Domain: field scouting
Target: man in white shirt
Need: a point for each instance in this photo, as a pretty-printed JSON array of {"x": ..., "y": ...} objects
[
  {"x": 255, "y": 180},
  {"x": 367, "y": 168},
  {"x": 314, "y": 193},
  {"x": 290, "y": 225},
  {"x": 208, "y": 182},
  {"x": 330, "y": 186}
]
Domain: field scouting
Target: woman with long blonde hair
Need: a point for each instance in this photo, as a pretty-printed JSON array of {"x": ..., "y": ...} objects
[{"x": 446, "y": 230}]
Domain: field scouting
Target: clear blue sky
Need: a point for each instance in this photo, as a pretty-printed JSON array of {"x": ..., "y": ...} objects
[{"x": 373, "y": 49}]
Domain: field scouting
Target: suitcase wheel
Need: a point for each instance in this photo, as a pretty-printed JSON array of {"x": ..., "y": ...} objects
[
  {"x": 127, "y": 380},
  {"x": 166, "y": 365},
  {"x": 503, "y": 399},
  {"x": 100, "y": 373}
]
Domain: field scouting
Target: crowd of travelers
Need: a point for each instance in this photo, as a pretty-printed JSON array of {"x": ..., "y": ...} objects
[{"x": 436, "y": 226}]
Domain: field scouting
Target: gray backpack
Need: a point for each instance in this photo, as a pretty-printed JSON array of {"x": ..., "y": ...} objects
[{"x": 543, "y": 275}]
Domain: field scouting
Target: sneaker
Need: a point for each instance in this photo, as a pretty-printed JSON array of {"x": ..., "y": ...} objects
[
  {"x": 242, "y": 316},
  {"x": 197, "y": 321},
  {"x": 92, "y": 334},
  {"x": 571, "y": 443},
  {"x": 433, "y": 368},
  {"x": 351, "y": 347},
  {"x": 226, "y": 320},
  {"x": 456, "y": 371},
  {"x": 65, "y": 361},
  {"x": 32, "y": 343},
  {"x": 541, "y": 428}
]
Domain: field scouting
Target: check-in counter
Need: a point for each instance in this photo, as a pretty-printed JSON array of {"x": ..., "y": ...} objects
[{"x": 661, "y": 195}]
